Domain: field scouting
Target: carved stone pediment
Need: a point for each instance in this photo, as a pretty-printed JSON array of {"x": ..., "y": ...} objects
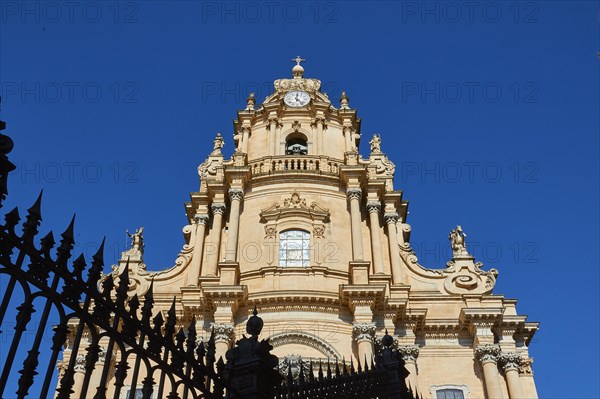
[{"x": 293, "y": 206}]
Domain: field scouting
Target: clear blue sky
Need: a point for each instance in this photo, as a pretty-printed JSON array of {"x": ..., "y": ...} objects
[{"x": 489, "y": 110}]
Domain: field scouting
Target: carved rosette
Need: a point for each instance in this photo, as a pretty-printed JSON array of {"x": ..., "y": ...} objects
[
  {"x": 409, "y": 352},
  {"x": 487, "y": 353},
  {"x": 363, "y": 331},
  {"x": 390, "y": 218},
  {"x": 510, "y": 361},
  {"x": 224, "y": 332},
  {"x": 218, "y": 208},
  {"x": 236, "y": 194},
  {"x": 373, "y": 206},
  {"x": 354, "y": 193}
]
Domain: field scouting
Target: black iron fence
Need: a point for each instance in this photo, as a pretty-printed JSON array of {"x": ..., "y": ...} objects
[{"x": 116, "y": 346}]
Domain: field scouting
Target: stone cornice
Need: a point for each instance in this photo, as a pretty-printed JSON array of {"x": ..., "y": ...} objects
[
  {"x": 307, "y": 271},
  {"x": 296, "y": 297}
]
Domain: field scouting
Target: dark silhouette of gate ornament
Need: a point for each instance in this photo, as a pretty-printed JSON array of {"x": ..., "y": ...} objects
[{"x": 95, "y": 315}]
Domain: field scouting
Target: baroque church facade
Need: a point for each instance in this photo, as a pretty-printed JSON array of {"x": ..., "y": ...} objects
[{"x": 300, "y": 225}]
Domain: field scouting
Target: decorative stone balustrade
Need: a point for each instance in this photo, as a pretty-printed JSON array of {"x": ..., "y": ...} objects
[{"x": 310, "y": 164}]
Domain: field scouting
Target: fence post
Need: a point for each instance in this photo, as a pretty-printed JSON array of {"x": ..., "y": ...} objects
[
  {"x": 250, "y": 365},
  {"x": 395, "y": 373}
]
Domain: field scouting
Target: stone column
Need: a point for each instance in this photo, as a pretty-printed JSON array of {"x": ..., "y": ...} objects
[
  {"x": 510, "y": 363},
  {"x": 224, "y": 335},
  {"x": 409, "y": 355},
  {"x": 354, "y": 194},
  {"x": 364, "y": 334},
  {"x": 390, "y": 221},
  {"x": 194, "y": 273},
  {"x": 235, "y": 196},
  {"x": 212, "y": 258},
  {"x": 373, "y": 207},
  {"x": 488, "y": 356},
  {"x": 79, "y": 375}
]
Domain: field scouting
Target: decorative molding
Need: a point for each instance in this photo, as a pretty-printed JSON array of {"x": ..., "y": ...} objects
[
  {"x": 291, "y": 364},
  {"x": 390, "y": 217},
  {"x": 364, "y": 331},
  {"x": 297, "y": 206},
  {"x": 202, "y": 219},
  {"x": 302, "y": 338},
  {"x": 218, "y": 208},
  {"x": 319, "y": 231},
  {"x": 354, "y": 193},
  {"x": 525, "y": 367},
  {"x": 236, "y": 194},
  {"x": 223, "y": 332},
  {"x": 373, "y": 206},
  {"x": 487, "y": 353},
  {"x": 510, "y": 361},
  {"x": 270, "y": 231},
  {"x": 409, "y": 353}
]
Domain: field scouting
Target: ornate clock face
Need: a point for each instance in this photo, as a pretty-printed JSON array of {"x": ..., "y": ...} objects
[{"x": 296, "y": 98}]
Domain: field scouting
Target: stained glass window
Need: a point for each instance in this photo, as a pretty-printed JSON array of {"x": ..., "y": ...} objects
[{"x": 294, "y": 248}]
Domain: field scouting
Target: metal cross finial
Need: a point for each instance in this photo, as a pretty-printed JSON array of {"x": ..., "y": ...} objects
[{"x": 298, "y": 60}]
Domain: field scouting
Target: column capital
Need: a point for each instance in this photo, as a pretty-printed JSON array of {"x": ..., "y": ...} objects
[
  {"x": 525, "y": 366},
  {"x": 510, "y": 361},
  {"x": 218, "y": 208},
  {"x": 236, "y": 194},
  {"x": 487, "y": 353},
  {"x": 354, "y": 193},
  {"x": 390, "y": 217},
  {"x": 223, "y": 332},
  {"x": 201, "y": 219},
  {"x": 373, "y": 206},
  {"x": 409, "y": 353},
  {"x": 79, "y": 364},
  {"x": 363, "y": 331}
]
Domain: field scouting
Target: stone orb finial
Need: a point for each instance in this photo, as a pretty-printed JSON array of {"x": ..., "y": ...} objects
[{"x": 255, "y": 324}]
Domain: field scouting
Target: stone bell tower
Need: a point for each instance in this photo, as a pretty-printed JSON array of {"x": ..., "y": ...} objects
[{"x": 300, "y": 225}]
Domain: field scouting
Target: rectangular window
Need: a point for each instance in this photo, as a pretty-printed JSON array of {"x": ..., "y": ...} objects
[
  {"x": 294, "y": 248},
  {"x": 450, "y": 394}
]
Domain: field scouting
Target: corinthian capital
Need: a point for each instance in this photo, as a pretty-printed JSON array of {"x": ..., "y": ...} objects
[
  {"x": 236, "y": 194},
  {"x": 391, "y": 217},
  {"x": 510, "y": 361},
  {"x": 363, "y": 331},
  {"x": 487, "y": 353},
  {"x": 409, "y": 352},
  {"x": 218, "y": 208},
  {"x": 224, "y": 332},
  {"x": 354, "y": 193},
  {"x": 373, "y": 206},
  {"x": 201, "y": 219}
]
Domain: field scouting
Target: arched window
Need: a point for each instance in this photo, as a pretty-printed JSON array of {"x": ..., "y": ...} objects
[
  {"x": 296, "y": 145},
  {"x": 294, "y": 248}
]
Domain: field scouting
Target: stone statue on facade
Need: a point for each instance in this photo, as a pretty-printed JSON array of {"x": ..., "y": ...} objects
[
  {"x": 218, "y": 144},
  {"x": 137, "y": 243},
  {"x": 375, "y": 144},
  {"x": 457, "y": 242}
]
